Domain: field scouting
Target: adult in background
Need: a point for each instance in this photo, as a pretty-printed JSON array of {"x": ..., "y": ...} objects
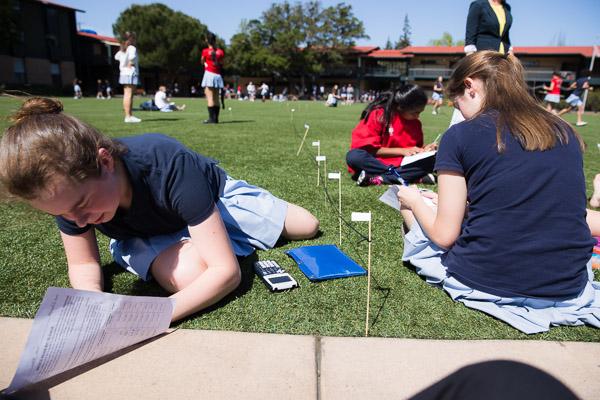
[
  {"x": 212, "y": 82},
  {"x": 128, "y": 73},
  {"x": 488, "y": 28}
]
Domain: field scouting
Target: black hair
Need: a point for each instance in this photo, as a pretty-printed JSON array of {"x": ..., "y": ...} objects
[
  {"x": 403, "y": 98},
  {"x": 212, "y": 41}
]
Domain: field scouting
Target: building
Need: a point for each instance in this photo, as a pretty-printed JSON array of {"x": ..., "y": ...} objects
[
  {"x": 95, "y": 60},
  {"x": 38, "y": 45}
]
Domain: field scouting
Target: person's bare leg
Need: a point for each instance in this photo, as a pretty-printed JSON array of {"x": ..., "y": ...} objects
[
  {"x": 593, "y": 221},
  {"x": 595, "y": 199},
  {"x": 580, "y": 111},
  {"x": 299, "y": 223},
  {"x": 127, "y": 100},
  {"x": 564, "y": 110},
  {"x": 209, "y": 97},
  {"x": 408, "y": 220}
]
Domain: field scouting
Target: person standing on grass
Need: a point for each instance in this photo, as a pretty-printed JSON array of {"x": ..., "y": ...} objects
[
  {"x": 212, "y": 82},
  {"x": 510, "y": 235},
  {"x": 171, "y": 213},
  {"x": 438, "y": 95},
  {"x": 389, "y": 129},
  {"x": 128, "y": 73},
  {"x": 553, "y": 91},
  {"x": 575, "y": 99},
  {"x": 488, "y": 28}
]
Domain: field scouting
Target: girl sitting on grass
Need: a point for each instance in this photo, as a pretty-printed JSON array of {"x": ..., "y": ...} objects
[
  {"x": 389, "y": 129},
  {"x": 171, "y": 213},
  {"x": 521, "y": 249}
]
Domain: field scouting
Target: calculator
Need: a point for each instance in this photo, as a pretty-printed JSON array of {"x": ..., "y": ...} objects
[{"x": 274, "y": 276}]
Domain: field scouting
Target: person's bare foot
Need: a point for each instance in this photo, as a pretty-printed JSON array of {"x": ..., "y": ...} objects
[{"x": 595, "y": 199}]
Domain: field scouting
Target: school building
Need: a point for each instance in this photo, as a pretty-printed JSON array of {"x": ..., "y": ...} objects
[{"x": 376, "y": 69}]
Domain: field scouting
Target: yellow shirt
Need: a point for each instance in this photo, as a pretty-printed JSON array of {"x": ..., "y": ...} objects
[{"x": 501, "y": 15}]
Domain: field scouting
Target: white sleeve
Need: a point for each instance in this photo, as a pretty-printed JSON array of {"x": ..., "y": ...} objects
[{"x": 131, "y": 53}]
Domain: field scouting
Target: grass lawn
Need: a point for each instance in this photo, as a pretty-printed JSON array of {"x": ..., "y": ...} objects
[{"x": 258, "y": 142}]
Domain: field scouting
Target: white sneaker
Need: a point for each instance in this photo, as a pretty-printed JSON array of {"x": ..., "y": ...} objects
[
  {"x": 434, "y": 112},
  {"x": 581, "y": 123},
  {"x": 132, "y": 120}
]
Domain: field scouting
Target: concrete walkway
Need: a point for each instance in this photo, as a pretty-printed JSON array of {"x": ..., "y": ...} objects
[{"x": 192, "y": 364}]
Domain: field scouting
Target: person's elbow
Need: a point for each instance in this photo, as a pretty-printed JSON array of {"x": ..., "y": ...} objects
[
  {"x": 444, "y": 238},
  {"x": 232, "y": 278}
]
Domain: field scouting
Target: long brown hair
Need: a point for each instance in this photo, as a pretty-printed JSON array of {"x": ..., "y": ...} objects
[
  {"x": 43, "y": 143},
  {"x": 506, "y": 92}
]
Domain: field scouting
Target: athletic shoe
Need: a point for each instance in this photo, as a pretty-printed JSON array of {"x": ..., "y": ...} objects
[
  {"x": 132, "y": 120},
  {"x": 428, "y": 179},
  {"x": 365, "y": 179},
  {"x": 434, "y": 112},
  {"x": 581, "y": 123}
]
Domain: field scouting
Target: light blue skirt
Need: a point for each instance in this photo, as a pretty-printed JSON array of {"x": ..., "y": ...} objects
[
  {"x": 526, "y": 314},
  {"x": 212, "y": 80},
  {"x": 253, "y": 217},
  {"x": 129, "y": 79}
]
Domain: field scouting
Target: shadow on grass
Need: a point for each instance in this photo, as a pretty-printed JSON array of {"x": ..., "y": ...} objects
[{"x": 237, "y": 121}]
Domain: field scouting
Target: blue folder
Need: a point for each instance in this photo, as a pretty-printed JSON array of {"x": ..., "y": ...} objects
[{"x": 323, "y": 262}]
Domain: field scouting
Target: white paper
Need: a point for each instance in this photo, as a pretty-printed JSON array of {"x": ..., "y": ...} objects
[
  {"x": 361, "y": 216},
  {"x": 73, "y": 327},
  {"x": 334, "y": 175},
  {"x": 390, "y": 197},
  {"x": 416, "y": 157}
]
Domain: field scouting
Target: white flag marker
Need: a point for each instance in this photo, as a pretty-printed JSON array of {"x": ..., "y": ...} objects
[
  {"x": 366, "y": 217},
  {"x": 338, "y": 176},
  {"x": 306, "y": 129}
]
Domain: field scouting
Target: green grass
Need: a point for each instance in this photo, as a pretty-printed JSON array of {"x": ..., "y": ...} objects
[{"x": 258, "y": 142}]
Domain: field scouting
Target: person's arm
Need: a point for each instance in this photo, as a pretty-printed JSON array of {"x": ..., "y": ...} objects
[
  {"x": 83, "y": 260},
  {"x": 442, "y": 227},
  {"x": 397, "y": 151},
  {"x": 222, "y": 275},
  {"x": 131, "y": 56},
  {"x": 472, "y": 28}
]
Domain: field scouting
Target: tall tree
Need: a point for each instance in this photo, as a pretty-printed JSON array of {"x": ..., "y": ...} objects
[
  {"x": 446, "y": 40},
  {"x": 297, "y": 39},
  {"x": 406, "y": 32},
  {"x": 388, "y": 44},
  {"x": 165, "y": 38}
]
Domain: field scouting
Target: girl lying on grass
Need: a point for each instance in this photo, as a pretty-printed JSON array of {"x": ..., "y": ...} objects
[
  {"x": 171, "y": 213},
  {"x": 521, "y": 252}
]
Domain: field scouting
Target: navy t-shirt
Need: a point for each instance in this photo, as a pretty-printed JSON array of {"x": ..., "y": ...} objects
[
  {"x": 172, "y": 187},
  {"x": 525, "y": 233},
  {"x": 579, "y": 86}
]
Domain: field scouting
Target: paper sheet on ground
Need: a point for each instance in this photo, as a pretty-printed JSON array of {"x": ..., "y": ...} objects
[
  {"x": 416, "y": 157},
  {"x": 73, "y": 327}
]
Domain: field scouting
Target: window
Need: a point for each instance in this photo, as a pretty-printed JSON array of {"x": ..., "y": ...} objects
[
  {"x": 19, "y": 70},
  {"x": 97, "y": 49}
]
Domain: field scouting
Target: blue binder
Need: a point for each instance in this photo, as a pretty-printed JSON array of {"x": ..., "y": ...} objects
[{"x": 323, "y": 262}]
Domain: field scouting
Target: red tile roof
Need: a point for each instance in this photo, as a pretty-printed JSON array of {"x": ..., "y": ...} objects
[
  {"x": 389, "y": 54},
  {"x": 585, "y": 51},
  {"x": 365, "y": 49},
  {"x": 51, "y": 3},
  {"x": 108, "y": 39}
]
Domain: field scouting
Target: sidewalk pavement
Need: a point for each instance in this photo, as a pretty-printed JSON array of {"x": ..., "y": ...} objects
[{"x": 194, "y": 364}]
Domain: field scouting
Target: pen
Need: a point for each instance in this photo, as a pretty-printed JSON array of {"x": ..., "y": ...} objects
[{"x": 437, "y": 138}]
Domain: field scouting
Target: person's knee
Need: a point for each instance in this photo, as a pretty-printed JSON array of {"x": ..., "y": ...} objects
[
  {"x": 300, "y": 223},
  {"x": 354, "y": 157}
]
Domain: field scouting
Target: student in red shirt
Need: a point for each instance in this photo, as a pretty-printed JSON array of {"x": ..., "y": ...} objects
[
  {"x": 553, "y": 91},
  {"x": 389, "y": 129},
  {"x": 212, "y": 58}
]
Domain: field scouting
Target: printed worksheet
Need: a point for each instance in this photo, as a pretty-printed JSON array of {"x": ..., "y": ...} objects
[{"x": 73, "y": 327}]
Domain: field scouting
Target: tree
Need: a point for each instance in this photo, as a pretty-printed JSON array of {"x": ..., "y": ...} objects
[
  {"x": 165, "y": 38},
  {"x": 388, "y": 44},
  {"x": 295, "y": 39},
  {"x": 404, "y": 40},
  {"x": 446, "y": 40}
]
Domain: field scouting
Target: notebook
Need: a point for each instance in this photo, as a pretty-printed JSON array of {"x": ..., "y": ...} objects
[
  {"x": 417, "y": 157},
  {"x": 323, "y": 262}
]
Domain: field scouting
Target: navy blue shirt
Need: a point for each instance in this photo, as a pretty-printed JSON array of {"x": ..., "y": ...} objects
[
  {"x": 172, "y": 187},
  {"x": 525, "y": 233},
  {"x": 579, "y": 86}
]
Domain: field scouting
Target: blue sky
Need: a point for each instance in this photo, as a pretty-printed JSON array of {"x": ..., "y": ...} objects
[{"x": 536, "y": 22}]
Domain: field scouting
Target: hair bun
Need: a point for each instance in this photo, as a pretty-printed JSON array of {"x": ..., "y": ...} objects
[{"x": 37, "y": 106}]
